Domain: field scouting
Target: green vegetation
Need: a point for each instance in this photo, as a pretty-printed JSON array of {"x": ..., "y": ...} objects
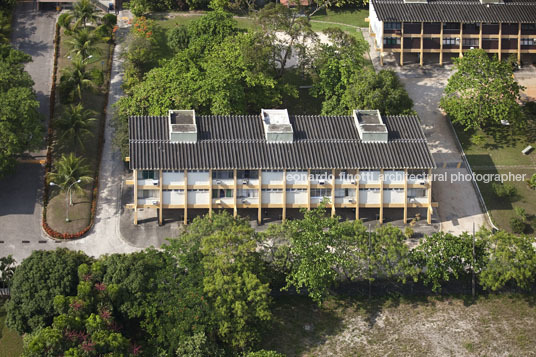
[
  {"x": 353, "y": 18},
  {"x": 10, "y": 341},
  {"x": 83, "y": 69}
]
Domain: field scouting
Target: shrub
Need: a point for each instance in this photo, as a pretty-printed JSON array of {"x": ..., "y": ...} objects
[
  {"x": 518, "y": 225},
  {"x": 178, "y": 38},
  {"x": 478, "y": 139},
  {"x": 504, "y": 190},
  {"x": 532, "y": 182},
  {"x": 409, "y": 232}
]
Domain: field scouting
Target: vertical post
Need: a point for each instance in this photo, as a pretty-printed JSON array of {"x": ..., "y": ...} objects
[
  {"x": 500, "y": 41},
  {"x": 210, "y": 199},
  {"x": 185, "y": 196},
  {"x": 308, "y": 189},
  {"x": 421, "y": 61},
  {"x": 461, "y": 39},
  {"x": 401, "y": 44},
  {"x": 135, "y": 173},
  {"x": 357, "y": 195},
  {"x": 480, "y": 37},
  {"x": 161, "y": 198},
  {"x": 235, "y": 192},
  {"x": 441, "y": 46},
  {"x": 381, "y": 196},
  {"x": 284, "y": 215},
  {"x": 405, "y": 196},
  {"x": 381, "y": 48},
  {"x": 332, "y": 192},
  {"x": 259, "y": 207},
  {"x": 519, "y": 44},
  {"x": 429, "y": 215}
]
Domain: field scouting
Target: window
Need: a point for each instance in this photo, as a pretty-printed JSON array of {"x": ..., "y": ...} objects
[
  {"x": 472, "y": 42},
  {"x": 392, "y": 26},
  {"x": 342, "y": 192},
  {"x": 148, "y": 193},
  {"x": 175, "y": 191},
  {"x": 148, "y": 175},
  {"x": 321, "y": 192},
  {"x": 528, "y": 27},
  {"x": 451, "y": 41},
  {"x": 221, "y": 193},
  {"x": 248, "y": 193},
  {"x": 527, "y": 42},
  {"x": 222, "y": 175},
  {"x": 451, "y": 26},
  {"x": 296, "y": 190},
  {"x": 391, "y": 41}
]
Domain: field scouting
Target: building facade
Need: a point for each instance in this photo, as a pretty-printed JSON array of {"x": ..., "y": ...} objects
[
  {"x": 274, "y": 160},
  {"x": 452, "y": 27}
]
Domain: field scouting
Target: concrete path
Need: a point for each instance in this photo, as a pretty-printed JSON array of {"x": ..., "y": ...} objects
[{"x": 459, "y": 206}]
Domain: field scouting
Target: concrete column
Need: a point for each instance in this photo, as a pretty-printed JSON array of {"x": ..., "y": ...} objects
[
  {"x": 429, "y": 215},
  {"x": 405, "y": 196},
  {"x": 161, "y": 198},
  {"x": 357, "y": 195},
  {"x": 500, "y": 41},
  {"x": 441, "y": 46},
  {"x": 308, "y": 189},
  {"x": 461, "y": 39},
  {"x": 333, "y": 193},
  {"x": 185, "y": 196},
  {"x": 210, "y": 199},
  {"x": 381, "y": 196},
  {"x": 135, "y": 173},
  {"x": 381, "y": 48},
  {"x": 284, "y": 215},
  {"x": 259, "y": 209},
  {"x": 519, "y": 44},
  {"x": 401, "y": 43},
  {"x": 421, "y": 61},
  {"x": 480, "y": 37},
  {"x": 235, "y": 192}
]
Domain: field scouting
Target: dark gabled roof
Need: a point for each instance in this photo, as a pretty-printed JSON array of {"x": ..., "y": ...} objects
[
  {"x": 467, "y": 11},
  {"x": 238, "y": 142}
]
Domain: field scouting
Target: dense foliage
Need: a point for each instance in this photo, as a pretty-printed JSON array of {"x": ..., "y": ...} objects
[
  {"x": 20, "y": 122},
  {"x": 482, "y": 92}
]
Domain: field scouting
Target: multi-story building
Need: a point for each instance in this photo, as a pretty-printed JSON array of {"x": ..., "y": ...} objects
[
  {"x": 503, "y": 27},
  {"x": 273, "y": 160}
]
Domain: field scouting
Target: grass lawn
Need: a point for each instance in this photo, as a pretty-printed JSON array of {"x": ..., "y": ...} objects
[
  {"x": 418, "y": 326},
  {"x": 95, "y": 101},
  {"x": 10, "y": 341},
  {"x": 349, "y": 17},
  {"x": 503, "y": 155}
]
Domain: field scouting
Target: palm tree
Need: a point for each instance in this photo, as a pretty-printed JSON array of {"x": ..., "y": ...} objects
[
  {"x": 70, "y": 173},
  {"x": 84, "y": 11},
  {"x": 74, "y": 125},
  {"x": 83, "y": 43},
  {"x": 75, "y": 79}
]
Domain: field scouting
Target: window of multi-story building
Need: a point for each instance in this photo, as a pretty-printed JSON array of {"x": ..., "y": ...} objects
[
  {"x": 527, "y": 42},
  {"x": 247, "y": 193},
  {"x": 451, "y": 41},
  {"x": 391, "y": 41},
  {"x": 472, "y": 42},
  {"x": 528, "y": 27},
  {"x": 342, "y": 192},
  {"x": 148, "y": 193},
  {"x": 223, "y": 174},
  {"x": 221, "y": 193},
  {"x": 296, "y": 189},
  {"x": 248, "y": 174},
  {"x": 392, "y": 26},
  {"x": 451, "y": 26},
  {"x": 148, "y": 175},
  {"x": 321, "y": 192}
]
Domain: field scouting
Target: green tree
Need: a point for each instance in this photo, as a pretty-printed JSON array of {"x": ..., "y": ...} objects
[
  {"x": 20, "y": 122},
  {"x": 84, "y": 11},
  {"x": 444, "y": 256},
  {"x": 85, "y": 324},
  {"x": 74, "y": 80},
  {"x": 83, "y": 43},
  {"x": 510, "y": 259},
  {"x": 70, "y": 172},
  {"x": 482, "y": 92},
  {"x": 7, "y": 270},
  {"x": 74, "y": 126},
  {"x": 370, "y": 90},
  {"x": 222, "y": 250},
  {"x": 37, "y": 280}
]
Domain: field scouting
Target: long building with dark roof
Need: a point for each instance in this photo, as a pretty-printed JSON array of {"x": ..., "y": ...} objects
[
  {"x": 502, "y": 27},
  {"x": 274, "y": 160}
]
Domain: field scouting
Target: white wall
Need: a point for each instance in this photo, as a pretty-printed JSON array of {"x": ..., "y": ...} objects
[
  {"x": 174, "y": 178},
  {"x": 272, "y": 197},
  {"x": 296, "y": 177},
  {"x": 369, "y": 177},
  {"x": 299, "y": 197},
  {"x": 198, "y": 178},
  {"x": 392, "y": 176},
  {"x": 376, "y": 25},
  {"x": 393, "y": 196},
  {"x": 174, "y": 197},
  {"x": 369, "y": 196},
  {"x": 269, "y": 178},
  {"x": 198, "y": 197}
]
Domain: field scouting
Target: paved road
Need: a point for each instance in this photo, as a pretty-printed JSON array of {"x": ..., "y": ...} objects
[
  {"x": 20, "y": 211},
  {"x": 20, "y": 193},
  {"x": 459, "y": 207}
]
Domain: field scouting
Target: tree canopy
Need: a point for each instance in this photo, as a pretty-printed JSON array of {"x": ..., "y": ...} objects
[
  {"x": 20, "y": 122},
  {"x": 482, "y": 92}
]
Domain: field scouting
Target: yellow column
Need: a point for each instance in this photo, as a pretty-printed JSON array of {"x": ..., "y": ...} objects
[
  {"x": 422, "y": 44},
  {"x": 357, "y": 195},
  {"x": 401, "y": 43},
  {"x": 381, "y": 49},
  {"x": 161, "y": 199},
  {"x": 333, "y": 193},
  {"x": 284, "y": 215},
  {"x": 519, "y": 44},
  {"x": 308, "y": 189},
  {"x": 381, "y": 196},
  {"x": 441, "y": 46},
  {"x": 461, "y": 39},
  {"x": 259, "y": 212},
  {"x": 480, "y": 37},
  {"x": 500, "y": 41},
  {"x": 405, "y": 196},
  {"x": 429, "y": 216},
  {"x": 210, "y": 199},
  {"x": 135, "y": 173},
  {"x": 235, "y": 192},
  {"x": 185, "y": 196}
]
